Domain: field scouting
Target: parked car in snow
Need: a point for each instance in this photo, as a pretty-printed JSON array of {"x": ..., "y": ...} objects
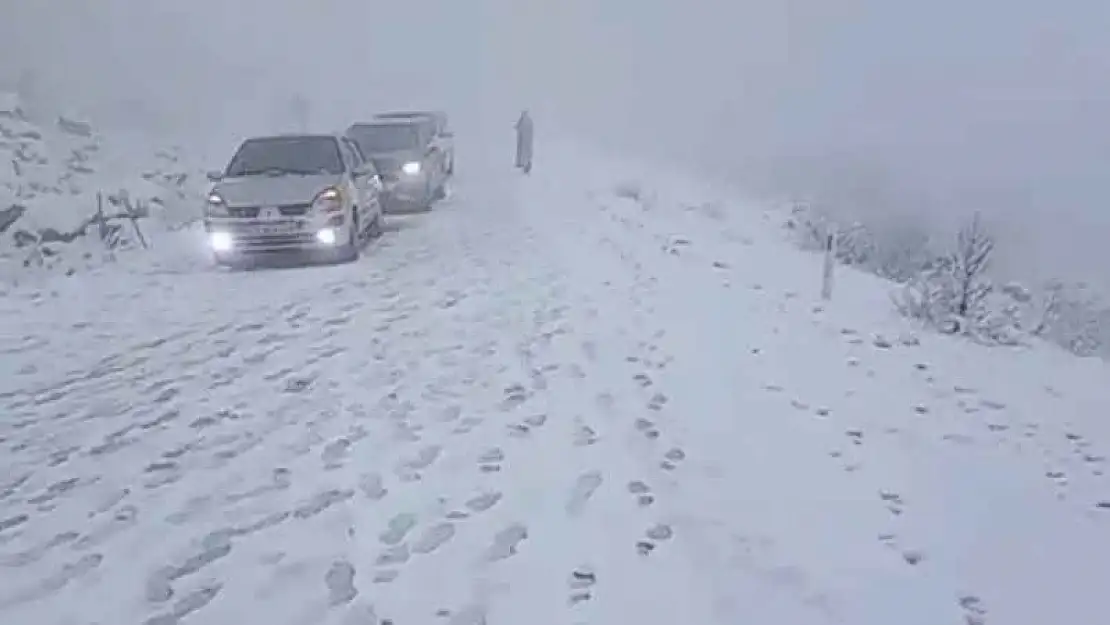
[
  {"x": 312, "y": 194},
  {"x": 405, "y": 153},
  {"x": 442, "y": 136}
]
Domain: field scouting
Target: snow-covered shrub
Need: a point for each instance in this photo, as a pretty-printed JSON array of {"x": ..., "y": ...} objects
[
  {"x": 899, "y": 254},
  {"x": 951, "y": 293},
  {"x": 951, "y": 289},
  {"x": 1076, "y": 319}
]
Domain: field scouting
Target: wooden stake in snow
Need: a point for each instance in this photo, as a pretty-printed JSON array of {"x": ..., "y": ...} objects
[{"x": 830, "y": 264}]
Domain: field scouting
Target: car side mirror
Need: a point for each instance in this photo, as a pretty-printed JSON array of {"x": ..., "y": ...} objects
[
  {"x": 446, "y": 134},
  {"x": 215, "y": 175}
]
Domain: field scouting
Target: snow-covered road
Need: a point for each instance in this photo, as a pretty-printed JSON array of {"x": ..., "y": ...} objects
[{"x": 530, "y": 406}]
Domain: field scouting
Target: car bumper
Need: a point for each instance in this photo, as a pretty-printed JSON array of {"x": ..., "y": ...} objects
[
  {"x": 233, "y": 238},
  {"x": 407, "y": 189}
]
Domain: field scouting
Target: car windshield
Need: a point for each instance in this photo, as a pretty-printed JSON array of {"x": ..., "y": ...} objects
[
  {"x": 286, "y": 156},
  {"x": 385, "y": 137}
]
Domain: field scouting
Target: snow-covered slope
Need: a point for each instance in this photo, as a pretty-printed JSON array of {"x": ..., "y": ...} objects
[
  {"x": 598, "y": 394},
  {"x": 54, "y": 178}
]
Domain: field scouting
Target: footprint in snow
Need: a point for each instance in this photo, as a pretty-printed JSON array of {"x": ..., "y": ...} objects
[
  {"x": 644, "y": 496},
  {"x": 506, "y": 541},
  {"x": 515, "y": 395},
  {"x": 397, "y": 528},
  {"x": 410, "y": 470},
  {"x": 605, "y": 401},
  {"x": 466, "y": 424},
  {"x": 483, "y": 502},
  {"x": 584, "y": 435},
  {"x": 433, "y": 538},
  {"x": 657, "y": 402},
  {"x": 54, "y": 582},
  {"x": 335, "y": 453},
  {"x": 490, "y": 460},
  {"x": 589, "y": 349},
  {"x": 186, "y": 605},
  {"x": 652, "y": 537},
  {"x": 340, "y": 583},
  {"x": 672, "y": 458},
  {"x": 583, "y": 489},
  {"x": 395, "y": 555},
  {"x": 298, "y": 384},
  {"x": 372, "y": 486},
  {"x": 894, "y": 502},
  {"x": 580, "y": 584},
  {"x": 527, "y": 425},
  {"x": 647, "y": 428},
  {"x": 975, "y": 613},
  {"x": 450, "y": 414}
]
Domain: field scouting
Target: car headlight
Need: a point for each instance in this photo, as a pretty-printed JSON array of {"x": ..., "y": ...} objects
[
  {"x": 329, "y": 200},
  {"x": 221, "y": 241},
  {"x": 411, "y": 168},
  {"x": 215, "y": 206}
]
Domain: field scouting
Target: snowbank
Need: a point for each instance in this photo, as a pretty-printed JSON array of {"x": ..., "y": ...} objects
[
  {"x": 828, "y": 460},
  {"x": 70, "y": 198}
]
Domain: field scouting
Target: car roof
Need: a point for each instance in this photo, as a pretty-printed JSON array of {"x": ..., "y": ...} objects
[
  {"x": 404, "y": 114},
  {"x": 399, "y": 121},
  {"x": 297, "y": 135}
]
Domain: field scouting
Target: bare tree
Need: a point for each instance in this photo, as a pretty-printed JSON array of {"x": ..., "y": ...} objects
[
  {"x": 951, "y": 291},
  {"x": 969, "y": 266}
]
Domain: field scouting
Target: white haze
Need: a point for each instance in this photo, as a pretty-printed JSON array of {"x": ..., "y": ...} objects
[{"x": 888, "y": 108}]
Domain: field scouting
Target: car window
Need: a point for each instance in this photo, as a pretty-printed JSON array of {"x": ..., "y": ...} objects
[
  {"x": 306, "y": 155},
  {"x": 360, "y": 158},
  {"x": 349, "y": 156},
  {"x": 377, "y": 138},
  {"x": 427, "y": 131}
]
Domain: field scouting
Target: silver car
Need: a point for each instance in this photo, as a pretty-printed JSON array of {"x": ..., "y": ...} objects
[
  {"x": 442, "y": 136},
  {"x": 312, "y": 194},
  {"x": 405, "y": 153}
]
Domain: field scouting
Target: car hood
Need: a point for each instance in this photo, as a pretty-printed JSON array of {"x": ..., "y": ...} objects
[
  {"x": 389, "y": 161},
  {"x": 273, "y": 190}
]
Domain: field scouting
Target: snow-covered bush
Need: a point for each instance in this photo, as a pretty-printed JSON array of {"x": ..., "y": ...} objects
[
  {"x": 898, "y": 253},
  {"x": 950, "y": 287}
]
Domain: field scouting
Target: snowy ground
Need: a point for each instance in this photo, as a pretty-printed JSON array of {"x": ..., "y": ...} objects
[{"x": 539, "y": 403}]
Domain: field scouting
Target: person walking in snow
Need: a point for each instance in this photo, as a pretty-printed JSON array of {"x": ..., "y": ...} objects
[{"x": 524, "y": 142}]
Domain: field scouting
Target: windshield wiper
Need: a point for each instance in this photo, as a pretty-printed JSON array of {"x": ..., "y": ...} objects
[
  {"x": 307, "y": 172},
  {"x": 281, "y": 171},
  {"x": 269, "y": 171}
]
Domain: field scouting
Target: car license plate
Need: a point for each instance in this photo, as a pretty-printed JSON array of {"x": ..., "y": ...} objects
[{"x": 278, "y": 228}]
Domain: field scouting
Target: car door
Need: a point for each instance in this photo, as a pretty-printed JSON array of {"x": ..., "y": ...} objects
[
  {"x": 371, "y": 179},
  {"x": 352, "y": 161},
  {"x": 447, "y": 139},
  {"x": 433, "y": 151}
]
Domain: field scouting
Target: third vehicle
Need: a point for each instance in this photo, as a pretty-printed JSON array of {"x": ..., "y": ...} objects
[
  {"x": 407, "y": 155},
  {"x": 444, "y": 137}
]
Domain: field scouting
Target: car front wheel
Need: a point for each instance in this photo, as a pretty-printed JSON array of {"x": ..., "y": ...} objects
[{"x": 349, "y": 252}]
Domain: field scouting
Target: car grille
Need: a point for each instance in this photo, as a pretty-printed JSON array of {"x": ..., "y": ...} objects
[
  {"x": 275, "y": 242},
  {"x": 286, "y": 210}
]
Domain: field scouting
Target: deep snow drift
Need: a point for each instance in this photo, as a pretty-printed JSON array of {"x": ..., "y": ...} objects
[{"x": 578, "y": 397}]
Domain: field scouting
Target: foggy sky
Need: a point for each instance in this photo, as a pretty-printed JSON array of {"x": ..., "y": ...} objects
[{"x": 888, "y": 108}]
